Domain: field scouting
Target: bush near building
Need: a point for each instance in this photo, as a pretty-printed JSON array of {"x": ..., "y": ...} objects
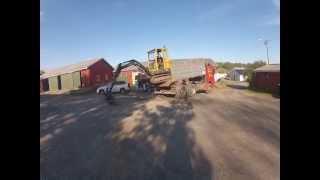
[{"x": 249, "y": 67}]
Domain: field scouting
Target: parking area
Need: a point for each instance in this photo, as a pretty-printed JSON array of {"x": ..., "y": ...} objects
[{"x": 229, "y": 133}]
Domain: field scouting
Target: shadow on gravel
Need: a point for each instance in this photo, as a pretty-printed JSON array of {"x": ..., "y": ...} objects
[
  {"x": 85, "y": 138},
  {"x": 263, "y": 121}
]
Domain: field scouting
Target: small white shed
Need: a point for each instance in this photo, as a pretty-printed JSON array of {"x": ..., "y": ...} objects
[{"x": 237, "y": 74}]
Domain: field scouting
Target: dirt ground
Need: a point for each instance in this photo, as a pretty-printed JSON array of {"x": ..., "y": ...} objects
[{"x": 230, "y": 133}]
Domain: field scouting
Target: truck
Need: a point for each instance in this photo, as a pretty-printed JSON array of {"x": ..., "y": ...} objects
[
  {"x": 194, "y": 74},
  {"x": 179, "y": 78}
]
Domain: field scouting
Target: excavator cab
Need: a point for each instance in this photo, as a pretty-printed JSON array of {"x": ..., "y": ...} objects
[{"x": 159, "y": 61}]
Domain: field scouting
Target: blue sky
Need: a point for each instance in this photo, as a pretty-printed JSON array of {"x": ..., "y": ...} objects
[{"x": 118, "y": 30}]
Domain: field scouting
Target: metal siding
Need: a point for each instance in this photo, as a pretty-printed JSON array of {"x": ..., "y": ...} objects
[
  {"x": 41, "y": 86},
  {"x": 125, "y": 76},
  {"x": 84, "y": 75},
  {"x": 269, "y": 84},
  {"x": 134, "y": 79},
  {"x": 129, "y": 75},
  {"x": 100, "y": 68},
  {"x": 122, "y": 77},
  {"x": 76, "y": 80},
  {"x": 186, "y": 69},
  {"x": 45, "y": 85},
  {"x": 53, "y": 83},
  {"x": 66, "y": 81}
]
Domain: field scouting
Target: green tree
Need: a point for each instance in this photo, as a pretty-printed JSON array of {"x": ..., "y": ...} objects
[
  {"x": 228, "y": 65},
  {"x": 256, "y": 64},
  {"x": 221, "y": 70}
]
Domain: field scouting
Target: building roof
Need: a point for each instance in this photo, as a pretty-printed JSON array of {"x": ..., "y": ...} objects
[
  {"x": 71, "y": 68},
  {"x": 268, "y": 68},
  {"x": 131, "y": 68}
]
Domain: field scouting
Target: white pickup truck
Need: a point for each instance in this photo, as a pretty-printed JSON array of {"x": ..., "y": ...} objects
[{"x": 119, "y": 86}]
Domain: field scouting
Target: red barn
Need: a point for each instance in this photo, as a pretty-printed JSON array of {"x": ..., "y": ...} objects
[
  {"x": 89, "y": 73},
  {"x": 44, "y": 85},
  {"x": 267, "y": 78},
  {"x": 130, "y": 74}
]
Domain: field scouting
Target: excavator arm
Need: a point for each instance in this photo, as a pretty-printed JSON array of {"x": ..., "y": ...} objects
[
  {"x": 121, "y": 66},
  {"x": 126, "y": 64}
]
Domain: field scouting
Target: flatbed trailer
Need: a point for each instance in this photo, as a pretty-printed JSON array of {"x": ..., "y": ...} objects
[{"x": 187, "y": 76}]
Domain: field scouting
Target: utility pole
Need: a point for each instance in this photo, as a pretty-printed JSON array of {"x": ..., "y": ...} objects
[{"x": 266, "y": 44}]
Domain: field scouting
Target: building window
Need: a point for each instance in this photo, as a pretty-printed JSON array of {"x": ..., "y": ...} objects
[
  {"x": 98, "y": 78},
  {"x": 106, "y": 77}
]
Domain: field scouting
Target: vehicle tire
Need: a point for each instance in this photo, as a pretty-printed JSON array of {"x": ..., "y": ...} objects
[
  {"x": 101, "y": 91},
  {"x": 122, "y": 91}
]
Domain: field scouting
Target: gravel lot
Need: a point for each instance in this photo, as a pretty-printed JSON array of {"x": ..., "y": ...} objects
[{"x": 230, "y": 133}]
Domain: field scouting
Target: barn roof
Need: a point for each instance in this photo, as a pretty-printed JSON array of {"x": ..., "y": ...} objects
[
  {"x": 131, "y": 68},
  {"x": 71, "y": 68},
  {"x": 268, "y": 68}
]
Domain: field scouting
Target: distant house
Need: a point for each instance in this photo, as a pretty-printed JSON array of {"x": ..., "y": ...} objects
[
  {"x": 130, "y": 75},
  {"x": 237, "y": 74},
  {"x": 267, "y": 77},
  {"x": 84, "y": 74}
]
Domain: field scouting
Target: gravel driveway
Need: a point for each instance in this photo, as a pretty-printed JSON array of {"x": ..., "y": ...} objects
[{"x": 230, "y": 133}]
